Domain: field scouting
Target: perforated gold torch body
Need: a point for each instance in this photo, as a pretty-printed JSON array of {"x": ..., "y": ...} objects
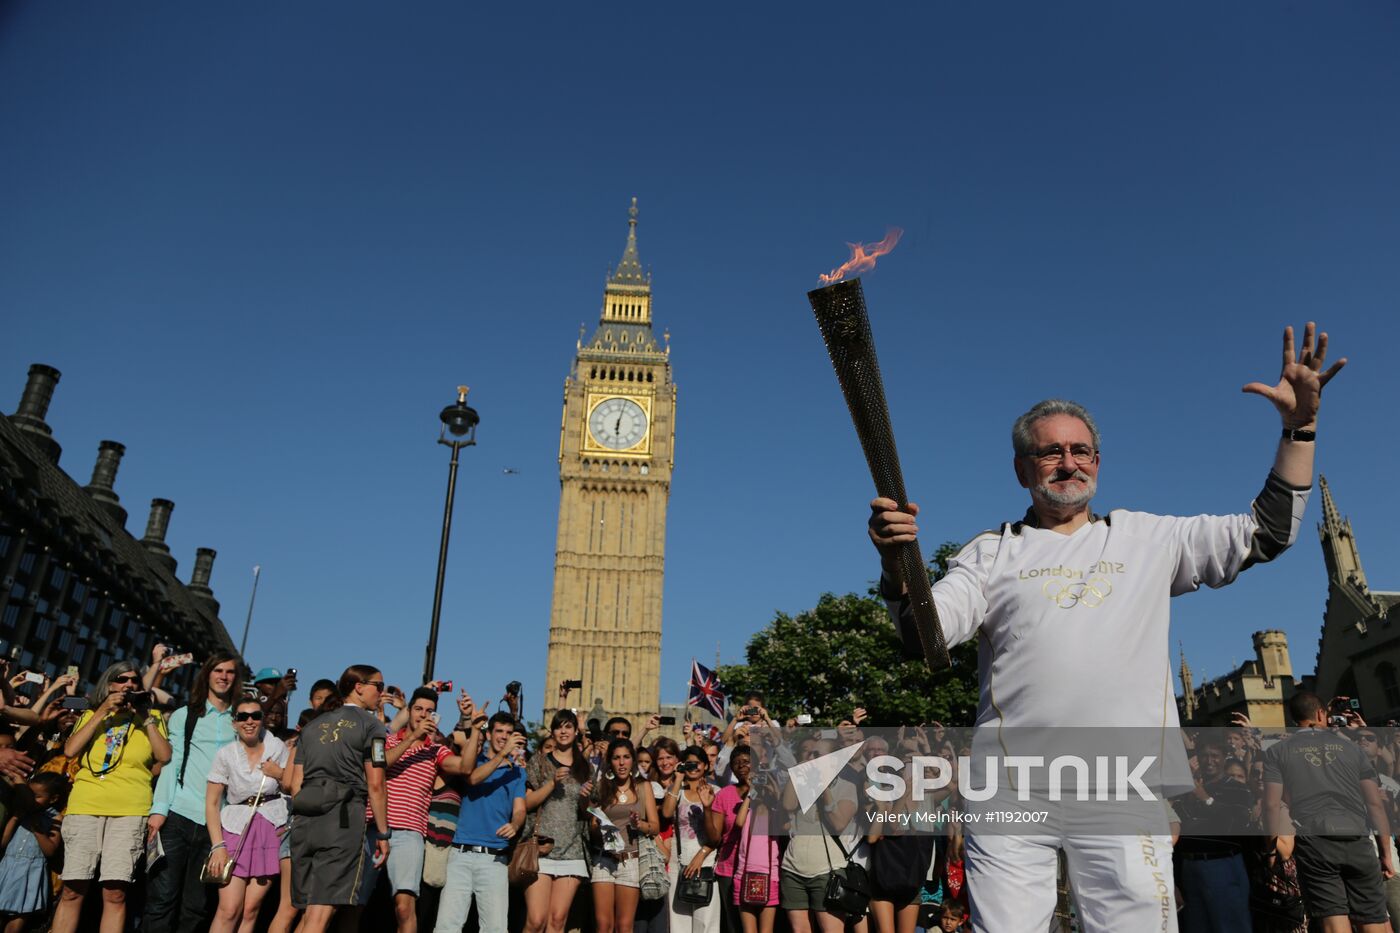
[{"x": 845, "y": 327}]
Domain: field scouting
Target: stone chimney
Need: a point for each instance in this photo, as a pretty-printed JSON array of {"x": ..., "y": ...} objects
[
  {"x": 156, "y": 527},
  {"x": 104, "y": 478},
  {"x": 199, "y": 580},
  {"x": 34, "y": 407}
]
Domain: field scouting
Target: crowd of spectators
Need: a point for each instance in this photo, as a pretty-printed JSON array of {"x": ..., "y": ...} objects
[{"x": 128, "y": 808}]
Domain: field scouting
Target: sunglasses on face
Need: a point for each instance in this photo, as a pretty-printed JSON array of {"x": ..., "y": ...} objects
[
  {"x": 126, "y": 679},
  {"x": 244, "y": 717},
  {"x": 620, "y": 734}
]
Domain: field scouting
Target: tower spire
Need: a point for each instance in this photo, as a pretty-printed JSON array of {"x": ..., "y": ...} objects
[
  {"x": 1331, "y": 518},
  {"x": 629, "y": 270},
  {"x": 1188, "y": 688},
  {"x": 1339, "y": 542}
]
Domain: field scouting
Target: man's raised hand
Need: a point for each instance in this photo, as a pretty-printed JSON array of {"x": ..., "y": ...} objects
[{"x": 1298, "y": 394}]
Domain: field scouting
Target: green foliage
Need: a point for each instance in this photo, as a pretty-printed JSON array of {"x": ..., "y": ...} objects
[{"x": 845, "y": 653}]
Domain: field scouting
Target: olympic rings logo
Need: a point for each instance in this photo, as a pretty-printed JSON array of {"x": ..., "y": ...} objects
[{"x": 1090, "y": 593}]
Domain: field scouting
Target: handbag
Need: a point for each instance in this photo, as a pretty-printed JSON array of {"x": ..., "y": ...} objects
[
  {"x": 847, "y": 890},
  {"x": 1277, "y": 898},
  {"x": 651, "y": 869},
  {"x": 754, "y": 886},
  {"x": 224, "y": 875},
  {"x": 697, "y": 891},
  {"x": 524, "y": 865}
]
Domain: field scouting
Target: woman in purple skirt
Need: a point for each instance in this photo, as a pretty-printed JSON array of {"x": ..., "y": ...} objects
[{"x": 245, "y": 808}]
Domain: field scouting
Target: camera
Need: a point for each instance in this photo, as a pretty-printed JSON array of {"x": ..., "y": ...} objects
[
  {"x": 76, "y": 703},
  {"x": 668, "y": 720},
  {"x": 442, "y": 686},
  {"x": 749, "y": 711},
  {"x": 1338, "y": 721},
  {"x": 138, "y": 697},
  {"x": 573, "y": 685},
  {"x": 686, "y": 767},
  {"x": 760, "y": 779}
]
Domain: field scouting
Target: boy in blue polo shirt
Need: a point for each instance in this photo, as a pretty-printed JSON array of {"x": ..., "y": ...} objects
[{"x": 493, "y": 811}]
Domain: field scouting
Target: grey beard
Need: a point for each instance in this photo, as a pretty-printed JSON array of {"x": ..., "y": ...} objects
[{"x": 1071, "y": 500}]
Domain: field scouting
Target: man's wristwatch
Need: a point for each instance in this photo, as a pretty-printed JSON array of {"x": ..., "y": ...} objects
[{"x": 1299, "y": 434}]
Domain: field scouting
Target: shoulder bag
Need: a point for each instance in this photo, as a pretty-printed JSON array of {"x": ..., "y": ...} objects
[
  {"x": 652, "y": 882},
  {"x": 524, "y": 865},
  {"x": 224, "y": 875},
  {"x": 847, "y": 890},
  {"x": 754, "y": 886}
]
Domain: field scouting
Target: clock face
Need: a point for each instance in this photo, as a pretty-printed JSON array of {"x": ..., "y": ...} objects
[{"x": 618, "y": 423}]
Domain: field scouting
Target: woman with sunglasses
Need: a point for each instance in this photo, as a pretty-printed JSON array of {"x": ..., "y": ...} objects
[
  {"x": 244, "y": 809},
  {"x": 117, "y": 743}
]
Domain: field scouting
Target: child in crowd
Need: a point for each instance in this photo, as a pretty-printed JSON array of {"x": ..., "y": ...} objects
[
  {"x": 953, "y": 918},
  {"x": 31, "y": 836}
]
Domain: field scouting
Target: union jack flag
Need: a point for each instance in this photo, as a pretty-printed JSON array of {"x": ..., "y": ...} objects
[{"x": 704, "y": 689}]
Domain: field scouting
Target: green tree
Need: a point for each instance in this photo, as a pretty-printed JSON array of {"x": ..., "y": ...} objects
[{"x": 844, "y": 653}]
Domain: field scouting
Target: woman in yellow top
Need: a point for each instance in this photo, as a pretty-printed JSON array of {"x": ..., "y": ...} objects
[{"x": 117, "y": 742}]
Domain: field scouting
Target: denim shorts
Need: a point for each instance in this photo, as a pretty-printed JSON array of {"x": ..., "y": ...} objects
[{"x": 404, "y": 864}]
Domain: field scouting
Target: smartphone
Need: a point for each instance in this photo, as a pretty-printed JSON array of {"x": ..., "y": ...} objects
[
  {"x": 804, "y": 719},
  {"x": 827, "y": 734},
  {"x": 573, "y": 685},
  {"x": 73, "y": 672},
  {"x": 668, "y": 720},
  {"x": 442, "y": 686},
  {"x": 75, "y": 703},
  {"x": 172, "y": 661},
  {"x": 33, "y": 677},
  {"x": 292, "y": 673}
]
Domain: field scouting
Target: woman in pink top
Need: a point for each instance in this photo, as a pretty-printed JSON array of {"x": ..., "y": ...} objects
[{"x": 743, "y": 848}]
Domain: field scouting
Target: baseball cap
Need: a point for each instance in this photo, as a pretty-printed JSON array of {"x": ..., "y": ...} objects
[{"x": 267, "y": 673}]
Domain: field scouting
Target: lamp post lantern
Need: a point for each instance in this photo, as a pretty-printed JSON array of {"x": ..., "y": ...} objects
[{"x": 459, "y": 420}]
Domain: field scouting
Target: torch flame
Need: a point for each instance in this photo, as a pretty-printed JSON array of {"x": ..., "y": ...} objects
[{"x": 863, "y": 256}]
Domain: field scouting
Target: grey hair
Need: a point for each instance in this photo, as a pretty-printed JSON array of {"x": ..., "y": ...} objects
[
  {"x": 1021, "y": 431},
  {"x": 104, "y": 683}
]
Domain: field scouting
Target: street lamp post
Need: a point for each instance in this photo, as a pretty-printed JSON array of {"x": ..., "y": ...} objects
[{"x": 460, "y": 421}]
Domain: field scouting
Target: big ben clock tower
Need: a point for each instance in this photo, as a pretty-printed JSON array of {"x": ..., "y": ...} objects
[{"x": 615, "y": 460}]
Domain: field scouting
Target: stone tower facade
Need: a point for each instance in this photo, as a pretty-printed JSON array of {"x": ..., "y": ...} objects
[
  {"x": 616, "y": 453},
  {"x": 1358, "y": 653}
]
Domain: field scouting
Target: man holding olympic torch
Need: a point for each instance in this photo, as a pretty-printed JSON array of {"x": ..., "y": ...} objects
[{"x": 1066, "y": 598}]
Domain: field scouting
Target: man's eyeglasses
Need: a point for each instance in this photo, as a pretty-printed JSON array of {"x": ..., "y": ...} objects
[
  {"x": 1082, "y": 454},
  {"x": 244, "y": 717},
  {"x": 1366, "y": 737},
  {"x": 376, "y": 684}
]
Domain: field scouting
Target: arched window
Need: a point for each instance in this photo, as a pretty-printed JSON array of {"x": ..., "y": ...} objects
[{"x": 1385, "y": 673}]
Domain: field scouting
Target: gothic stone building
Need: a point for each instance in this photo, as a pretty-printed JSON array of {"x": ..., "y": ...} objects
[
  {"x": 76, "y": 588},
  {"x": 1358, "y": 653}
]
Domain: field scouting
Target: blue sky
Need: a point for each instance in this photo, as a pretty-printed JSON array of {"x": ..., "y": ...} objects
[{"x": 263, "y": 243}]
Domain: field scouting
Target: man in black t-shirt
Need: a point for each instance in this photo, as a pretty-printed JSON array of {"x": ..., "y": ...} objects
[{"x": 1331, "y": 789}]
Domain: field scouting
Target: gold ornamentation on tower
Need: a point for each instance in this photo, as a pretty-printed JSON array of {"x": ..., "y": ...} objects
[{"x": 615, "y": 459}]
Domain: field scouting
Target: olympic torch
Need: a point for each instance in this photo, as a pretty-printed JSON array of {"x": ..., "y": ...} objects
[{"x": 845, "y": 327}]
